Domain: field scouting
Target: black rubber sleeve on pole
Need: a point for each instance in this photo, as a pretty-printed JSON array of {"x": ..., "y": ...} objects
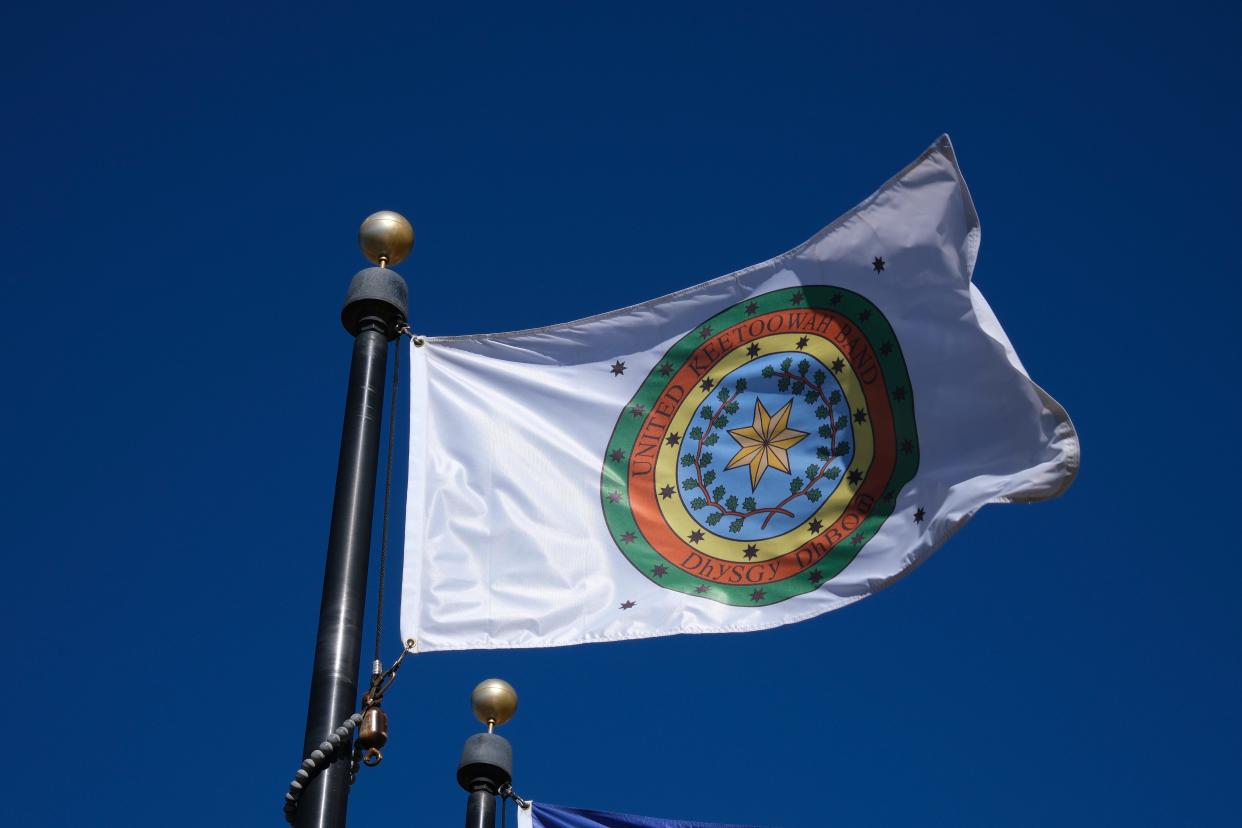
[{"x": 486, "y": 766}]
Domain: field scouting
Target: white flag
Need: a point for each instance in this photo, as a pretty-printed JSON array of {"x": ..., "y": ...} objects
[{"x": 752, "y": 451}]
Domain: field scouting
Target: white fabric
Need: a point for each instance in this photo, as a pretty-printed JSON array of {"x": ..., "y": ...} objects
[{"x": 506, "y": 539}]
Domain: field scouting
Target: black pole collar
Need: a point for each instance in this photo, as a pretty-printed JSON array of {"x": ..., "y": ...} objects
[
  {"x": 486, "y": 763},
  {"x": 377, "y": 293}
]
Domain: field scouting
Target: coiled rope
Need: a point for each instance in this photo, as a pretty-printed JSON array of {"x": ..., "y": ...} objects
[{"x": 314, "y": 764}]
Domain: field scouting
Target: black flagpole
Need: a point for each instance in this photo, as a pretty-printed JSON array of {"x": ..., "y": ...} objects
[
  {"x": 486, "y": 766},
  {"x": 375, "y": 309}
]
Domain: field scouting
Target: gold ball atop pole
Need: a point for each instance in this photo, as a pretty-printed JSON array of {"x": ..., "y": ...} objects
[
  {"x": 494, "y": 702},
  {"x": 385, "y": 237}
]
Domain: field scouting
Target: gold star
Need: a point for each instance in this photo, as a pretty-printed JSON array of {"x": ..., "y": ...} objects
[{"x": 766, "y": 443}]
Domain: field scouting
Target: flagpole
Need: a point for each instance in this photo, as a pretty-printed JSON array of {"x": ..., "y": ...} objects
[
  {"x": 486, "y": 765},
  {"x": 375, "y": 308}
]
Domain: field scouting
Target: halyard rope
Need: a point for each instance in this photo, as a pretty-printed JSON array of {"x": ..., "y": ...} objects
[{"x": 377, "y": 665}]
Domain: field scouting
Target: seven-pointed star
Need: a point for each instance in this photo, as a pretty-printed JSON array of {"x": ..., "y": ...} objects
[
  {"x": 750, "y": 551},
  {"x": 860, "y": 416},
  {"x": 814, "y": 526},
  {"x": 907, "y": 447},
  {"x": 796, "y": 298},
  {"x": 752, "y": 351},
  {"x": 637, "y": 411},
  {"x": 695, "y": 536},
  {"x": 886, "y": 349},
  {"x": 765, "y": 443},
  {"x": 838, "y": 365},
  {"x": 899, "y": 394},
  {"x": 865, "y": 315},
  {"x": 707, "y": 383},
  {"x": 752, "y": 308},
  {"x": 816, "y": 576},
  {"x": 614, "y": 497},
  {"x": 617, "y": 455},
  {"x": 857, "y": 539},
  {"x": 618, "y": 368},
  {"x": 919, "y": 515},
  {"x": 757, "y": 595},
  {"x": 629, "y": 537},
  {"x": 855, "y": 477},
  {"x": 705, "y": 332},
  {"x": 667, "y": 492},
  {"x": 659, "y": 570},
  {"x": 673, "y": 439},
  {"x": 878, "y": 264},
  {"x": 803, "y": 342},
  {"x": 701, "y": 588},
  {"x": 666, "y": 369},
  {"x": 628, "y": 605}
]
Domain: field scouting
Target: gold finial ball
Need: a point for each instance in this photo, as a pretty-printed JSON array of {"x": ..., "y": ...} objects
[
  {"x": 385, "y": 236},
  {"x": 494, "y": 701}
]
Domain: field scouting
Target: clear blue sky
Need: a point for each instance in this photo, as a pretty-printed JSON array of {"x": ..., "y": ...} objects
[{"x": 182, "y": 185}]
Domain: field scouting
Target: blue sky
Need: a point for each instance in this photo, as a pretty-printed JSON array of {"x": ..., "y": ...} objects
[{"x": 182, "y": 188}]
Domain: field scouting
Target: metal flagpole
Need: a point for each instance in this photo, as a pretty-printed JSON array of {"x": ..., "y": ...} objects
[
  {"x": 486, "y": 765},
  {"x": 375, "y": 309}
]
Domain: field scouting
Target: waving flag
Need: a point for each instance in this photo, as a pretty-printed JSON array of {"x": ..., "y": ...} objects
[
  {"x": 748, "y": 452},
  {"x": 539, "y": 815}
]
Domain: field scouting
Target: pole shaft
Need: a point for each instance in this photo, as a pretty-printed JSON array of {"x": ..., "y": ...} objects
[
  {"x": 334, "y": 681},
  {"x": 481, "y": 809}
]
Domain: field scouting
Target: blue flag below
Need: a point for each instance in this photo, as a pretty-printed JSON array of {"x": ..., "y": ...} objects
[{"x": 541, "y": 815}]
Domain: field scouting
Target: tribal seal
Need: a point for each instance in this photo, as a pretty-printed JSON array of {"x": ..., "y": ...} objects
[{"x": 764, "y": 450}]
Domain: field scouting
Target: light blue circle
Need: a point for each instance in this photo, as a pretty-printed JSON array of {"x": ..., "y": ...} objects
[{"x": 715, "y": 447}]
